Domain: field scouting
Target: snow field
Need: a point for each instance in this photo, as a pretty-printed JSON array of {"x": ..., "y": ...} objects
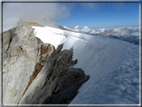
[{"x": 113, "y": 66}]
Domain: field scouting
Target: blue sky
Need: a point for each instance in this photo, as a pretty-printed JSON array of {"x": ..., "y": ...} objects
[
  {"x": 98, "y": 15},
  {"x": 93, "y": 15}
]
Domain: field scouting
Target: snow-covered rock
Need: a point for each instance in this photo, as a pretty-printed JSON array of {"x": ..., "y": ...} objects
[{"x": 34, "y": 71}]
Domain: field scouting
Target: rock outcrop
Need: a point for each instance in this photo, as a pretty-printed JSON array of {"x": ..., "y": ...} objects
[{"x": 35, "y": 72}]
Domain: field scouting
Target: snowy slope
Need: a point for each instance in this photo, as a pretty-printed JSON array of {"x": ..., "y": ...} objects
[{"x": 113, "y": 66}]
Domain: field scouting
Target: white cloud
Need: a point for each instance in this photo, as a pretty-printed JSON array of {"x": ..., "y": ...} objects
[
  {"x": 133, "y": 28},
  {"x": 102, "y": 30},
  {"x": 86, "y": 29},
  {"x": 76, "y": 28},
  {"x": 123, "y": 33},
  {"x": 135, "y": 34},
  {"x": 14, "y": 13},
  {"x": 95, "y": 31},
  {"x": 117, "y": 30}
]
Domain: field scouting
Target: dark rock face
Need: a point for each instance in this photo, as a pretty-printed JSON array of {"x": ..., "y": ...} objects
[
  {"x": 35, "y": 72},
  {"x": 66, "y": 80},
  {"x": 74, "y": 79}
]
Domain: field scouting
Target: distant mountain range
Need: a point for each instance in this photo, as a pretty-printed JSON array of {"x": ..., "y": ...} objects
[
  {"x": 117, "y": 32},
  {"x": 122, "y": 34},
  {"x": 128, "y": 34}
]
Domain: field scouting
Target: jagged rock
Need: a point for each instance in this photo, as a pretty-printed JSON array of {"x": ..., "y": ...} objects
[
  {"x": 34, "y": 71},
  {"x": 72, "y": 81}
]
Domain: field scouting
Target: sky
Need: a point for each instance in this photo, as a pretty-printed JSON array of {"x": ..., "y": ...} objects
[
  {"x": 102, "y": 15},
  {"x": 92, "y": 15}
]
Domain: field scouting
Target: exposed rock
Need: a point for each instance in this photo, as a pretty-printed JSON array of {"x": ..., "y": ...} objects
[
  {"x": 125, "y": 29},
  {"x": 16, "y": 51},
  {"x": 34, "y": 72},
  {"x": 72, "y": 81}
]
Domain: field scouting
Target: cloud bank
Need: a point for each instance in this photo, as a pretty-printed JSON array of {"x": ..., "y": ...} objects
[
  {"x": 86, "y": 29},
  {"x": 135, "y": 34},
  {"x": 122, "y": 31},
  {"x": 15, "y": 13}
]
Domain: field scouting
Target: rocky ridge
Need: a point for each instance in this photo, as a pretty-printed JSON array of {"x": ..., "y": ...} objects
[{"x": 35, "y": 72}]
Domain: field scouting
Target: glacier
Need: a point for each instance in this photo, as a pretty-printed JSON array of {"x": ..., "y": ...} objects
[{"x": 113, "y": 66}]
